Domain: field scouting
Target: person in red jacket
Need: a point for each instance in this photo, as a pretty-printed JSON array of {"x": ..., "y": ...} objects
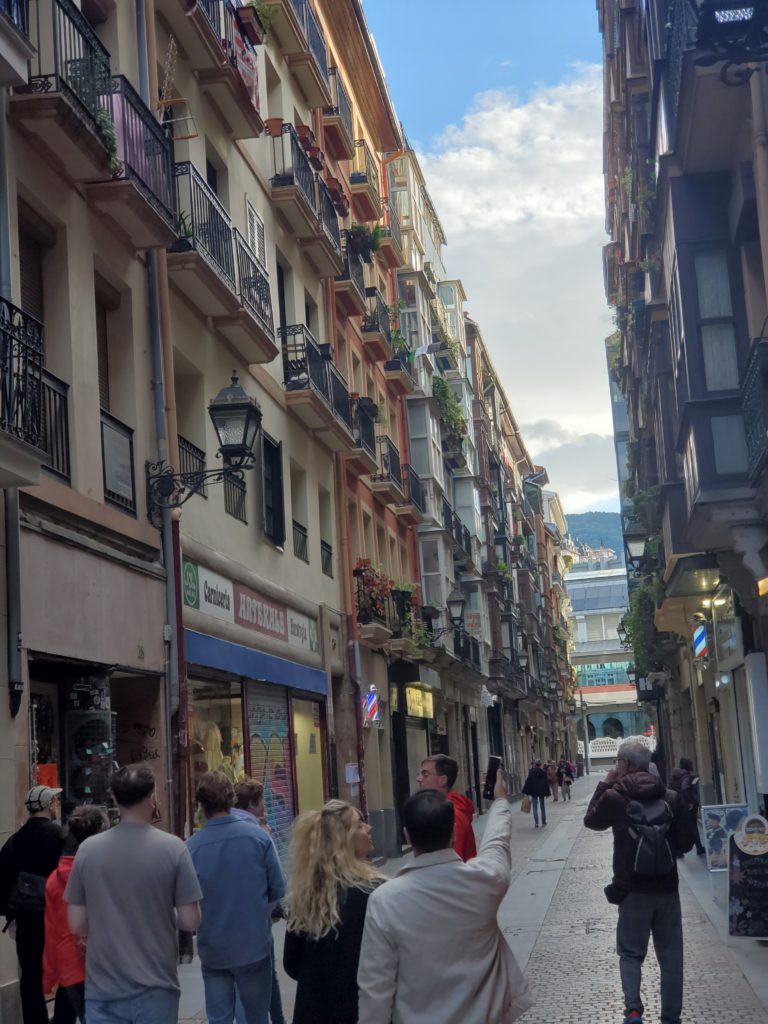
[
  {"x": 440, "y": 772},
  {"x": 64, "y": 953}
]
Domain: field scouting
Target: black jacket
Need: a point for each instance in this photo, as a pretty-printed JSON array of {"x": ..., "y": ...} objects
[
  {"x": 35, "y": 848},
  {"x": 537, "y": 783},
  {"x": 608, "y": 809},
  {"x": 686, "y": 784},
  {"x": 326, "y": 969}
]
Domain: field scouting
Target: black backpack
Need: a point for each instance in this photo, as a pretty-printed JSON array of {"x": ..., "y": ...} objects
[{"x": 649, "y": 825}]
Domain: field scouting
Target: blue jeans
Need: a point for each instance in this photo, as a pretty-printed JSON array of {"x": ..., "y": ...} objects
[
  {"x": 252, "y": 983},
  {"x": 536, "y": 802},
  {"x": 276, "y": 1015},
  {"x": 153, "y": 1006},
  {"x": 642, "y": 915}
]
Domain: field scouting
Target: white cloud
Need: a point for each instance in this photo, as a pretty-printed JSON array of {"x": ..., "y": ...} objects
[{"x": 518, "y": 186}]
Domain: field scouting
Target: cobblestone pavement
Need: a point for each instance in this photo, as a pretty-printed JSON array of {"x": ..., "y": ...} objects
[{"x": 557, "y": 915}]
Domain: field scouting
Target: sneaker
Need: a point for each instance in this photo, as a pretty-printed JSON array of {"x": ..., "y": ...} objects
[
  {"x": 543, "y": 824},
  {"x": 536, "y": 825},
  {"x": 633, "y": 1017}
]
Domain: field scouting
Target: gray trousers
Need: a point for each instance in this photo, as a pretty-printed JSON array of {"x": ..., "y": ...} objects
[{"x": 642, "y": 915}]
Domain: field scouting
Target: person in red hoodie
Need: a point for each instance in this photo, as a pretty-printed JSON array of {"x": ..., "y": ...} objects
[
  {"x": 440, "y": 772},
  {"x": 64, "y": 953}
]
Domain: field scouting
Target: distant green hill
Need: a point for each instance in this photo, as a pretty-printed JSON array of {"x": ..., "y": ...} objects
[{"x": 596, "y": 528}]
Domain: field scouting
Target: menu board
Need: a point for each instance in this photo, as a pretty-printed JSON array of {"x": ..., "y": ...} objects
[
  {"x": 719, "y": 822},
  {"x": 748, "y": 880}
]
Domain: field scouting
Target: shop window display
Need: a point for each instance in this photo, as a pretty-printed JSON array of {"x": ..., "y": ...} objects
[{"x": 216, "y": 730}]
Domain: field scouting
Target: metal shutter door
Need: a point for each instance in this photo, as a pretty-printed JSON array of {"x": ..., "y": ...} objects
[
  {"x": 31, "y": 274},
  {"x": 269, "y": 743}
]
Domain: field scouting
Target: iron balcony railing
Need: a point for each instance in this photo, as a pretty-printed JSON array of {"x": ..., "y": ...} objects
[
  {"x": 17, "y": 12},
  {"x": 234, "y": 498},
  {"x": 292, "y": 166},
  {"x": 681, "y": 35},
  {"x": 117, "y": 463},
  {"x": 144, "y": 149},
  {"x": 413, "y": 488},
  {"x": 340, "y": 104},
  {"x": 376, "y": 320},
  {"x": 21, "y": 350},
  {"x": 253, "y": 284},
  {"x": 316, "y": 41},
  {"x": 326, "y": 558},
  {"x": 300, "y": 541},
  {"x": 220, "y": 15},
  {"x": 365, "y": 427},
  {"x": 389, "y": 462},
  {"x": 327, "y": 215},
  {"x": 306, "y": 367},
  {"x": 72, "y": 60},
  {"x": 400, "y": 361},
  {"x": 353, "y": 270},
  {"x": 372, "y": 598},
  {"x": 364, "y": 170},
  {"x": 754, "y": 406},
  {"x": 391, "y": 225},
  {"x": 54, "y": 425},
  {"x": 192, "y": 460},
  {"x": 467, "y": 648},
  {"x": 341, "y": 403},
  {"x": 204, "y": 223},
  {"x": 446, "y": 515}
]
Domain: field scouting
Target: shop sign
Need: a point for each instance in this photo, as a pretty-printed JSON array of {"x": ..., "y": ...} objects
[
  {"x": 418, "y": 703},
  {"x": 302, "y": 632},
  {"x": 748, "y": 880},
  {"x": 255, "y": 612},
  {"x": 472, "y": 624},
  {"x": 191, "y": 584},
  {"x": 216, "y": 595}
]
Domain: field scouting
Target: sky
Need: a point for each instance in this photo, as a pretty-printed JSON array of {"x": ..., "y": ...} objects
[{"x": 503, "y": 105}]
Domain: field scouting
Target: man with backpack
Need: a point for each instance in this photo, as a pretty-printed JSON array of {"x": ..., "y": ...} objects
[
  {"x": 650, "y": 828},
  {"x": 685, "y": 782}
]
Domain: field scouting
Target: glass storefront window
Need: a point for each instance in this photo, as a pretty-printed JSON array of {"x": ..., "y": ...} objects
[{"x": 216, "y": 730}]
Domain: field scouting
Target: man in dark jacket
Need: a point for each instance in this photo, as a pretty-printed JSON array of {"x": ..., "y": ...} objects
[
  {"x": 648, "y": 901},
  {"x": 685, "y": 783},
  {"x": 34, "y": 852},
  {"x": 537, "y": 788}
]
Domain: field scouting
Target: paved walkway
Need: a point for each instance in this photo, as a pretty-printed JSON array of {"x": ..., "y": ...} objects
[{"x": 561, "y": 928}]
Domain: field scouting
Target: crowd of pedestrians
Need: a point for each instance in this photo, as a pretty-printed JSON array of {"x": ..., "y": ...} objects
[{"x": 97, "y": 912}]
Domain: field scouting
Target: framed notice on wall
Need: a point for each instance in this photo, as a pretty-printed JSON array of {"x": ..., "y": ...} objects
[{"x": 748, "y": 880}]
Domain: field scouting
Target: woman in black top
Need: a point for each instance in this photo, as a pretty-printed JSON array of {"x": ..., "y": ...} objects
[{"x": 331, "y": 878}]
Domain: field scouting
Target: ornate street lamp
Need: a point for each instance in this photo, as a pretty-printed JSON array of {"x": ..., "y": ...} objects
[
  {"x": 456, "y": 603},
  {"x": 236, "y": 418},
  {"x": 732, "y": 31},
  {"x": 621, "y": 632},
  {"x": 635, "y": 537}
]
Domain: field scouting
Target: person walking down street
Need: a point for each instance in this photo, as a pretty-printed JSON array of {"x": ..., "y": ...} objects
[
  {"x": 433, "y": 952},
  {"x": 331, "y": 880},
  {"x": 440, "y": 772},
  {"x": 130, "y": 889},
  {"x": 685, "y": 783},
  {"x": 537, "y": 788},
  {"x": 564, "y": 779},
  {"x": 552, "y": 776},
  {"x": 650, "y": 827},
  {"x": 240, "y": 877},
  {"x": 249, "y": 806},
  {"x": 26, "y": 861},
  {"x": 64, "y": 955}
]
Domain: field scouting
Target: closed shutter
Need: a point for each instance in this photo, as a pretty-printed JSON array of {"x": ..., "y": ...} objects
[
  {"x": 31, "y": 272},
  {"x": 256, "y": 237},
  {"x": 271, "y": 758},
  {"x": 272, "y": 489},
  {"x": 102, "y": 355}
]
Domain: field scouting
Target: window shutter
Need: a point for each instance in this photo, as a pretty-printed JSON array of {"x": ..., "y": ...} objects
[
  {"x": 102, "y": 355},
  {"x": 31, "y": 272},
  {"x": 256, "y": 237},
  {"x": 274, "y": 511}
]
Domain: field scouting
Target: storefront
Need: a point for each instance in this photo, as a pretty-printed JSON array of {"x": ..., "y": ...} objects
[{"x": 252, "y": 712}]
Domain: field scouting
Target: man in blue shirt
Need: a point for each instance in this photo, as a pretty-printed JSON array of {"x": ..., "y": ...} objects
[{"x": 240, "y": 876}]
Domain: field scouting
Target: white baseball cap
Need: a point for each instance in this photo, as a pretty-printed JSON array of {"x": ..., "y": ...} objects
[{"x": 39, "y": 798}]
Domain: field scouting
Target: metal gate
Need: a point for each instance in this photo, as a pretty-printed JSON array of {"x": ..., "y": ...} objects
[{"x": 271, "y": 756}]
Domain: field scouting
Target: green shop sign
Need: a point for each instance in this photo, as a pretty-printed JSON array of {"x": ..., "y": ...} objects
[{"x": 191, "y": 584}]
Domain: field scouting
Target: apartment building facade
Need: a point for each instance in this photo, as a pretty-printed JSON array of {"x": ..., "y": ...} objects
[{"x": 685, "y": 272}]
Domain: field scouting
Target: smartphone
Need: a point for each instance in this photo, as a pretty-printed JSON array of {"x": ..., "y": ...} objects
[{"x": 494, "y": 763}]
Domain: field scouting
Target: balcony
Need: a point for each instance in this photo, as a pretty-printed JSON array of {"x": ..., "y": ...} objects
[
  {"x": 411, "y": 509},
  {"x": 309, "y": 62},
  {"x": 392, "y": 237},
  {"x": 15, "y": 47},
  {"x": 754, "y": 404},
  {"x": 224, "y": 62},
  {"x": 350, "y": 284},
  {"x": 22, "y": 437},
  {"x": 141, "y": 196},
  {"x": 507, "y": 676},
  {"x": 362, "y": 459},
  {"x": 364, "y": 183},
  {"x": 467, "y": 648},
  {"x": 454, "y": 455},
  {"x": 387, "y": 483},
  {"x": 286, "y": 23},
  {"x": 337, "y": 120},
  {"x": 54, "y": 426},
  {"x": 192, "y": 460},
  {"x": 399, "y": 373},
  {"x": 376, "y": 327},
  {"x": 372, "y": 604},
  {"x": 212, "y": 264},
  {"x": 117, "y": 463},
  {"x": 326, "y": 558},
  {"x": 323, "y": 249},
  {"x": 315, "y": 390},
  {"x": 462, "y": 541},
  {"x": 64, "y": 107},
  {"x": 301, "y": 542}
]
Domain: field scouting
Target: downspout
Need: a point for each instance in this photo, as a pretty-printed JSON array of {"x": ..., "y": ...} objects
[
  {"x": 10, "y": 494},
  {"x": 161, "y": 437}
]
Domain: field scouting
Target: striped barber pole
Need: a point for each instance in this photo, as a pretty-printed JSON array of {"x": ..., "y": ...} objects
[{"x": 700, "y": 646}]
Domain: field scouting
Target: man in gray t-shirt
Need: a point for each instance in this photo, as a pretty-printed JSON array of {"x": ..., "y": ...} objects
[{"x": 129, "y": 891}]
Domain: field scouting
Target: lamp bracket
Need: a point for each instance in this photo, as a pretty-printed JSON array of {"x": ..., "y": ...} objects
[{"x": 167, "y": 490}]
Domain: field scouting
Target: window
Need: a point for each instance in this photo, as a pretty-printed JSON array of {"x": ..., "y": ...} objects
[
  {"x": 272, "y": 489},
  {"x": 31, "y": 270},
  {"x": 102, "y": 354},
  {"x": 256, "y": 236},
  {"x": 729, "y": 444},
  {"x": 718, "y": 338}
]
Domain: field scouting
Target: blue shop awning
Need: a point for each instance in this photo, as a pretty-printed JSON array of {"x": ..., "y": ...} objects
[{"x": 212, "y": 652}]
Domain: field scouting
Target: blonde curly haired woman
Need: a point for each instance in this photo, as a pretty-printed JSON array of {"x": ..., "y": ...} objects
[{"x": 331, "y": 879}]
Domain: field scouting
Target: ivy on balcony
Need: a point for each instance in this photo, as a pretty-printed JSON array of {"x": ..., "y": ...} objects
[{"x": 450, "y": 408}]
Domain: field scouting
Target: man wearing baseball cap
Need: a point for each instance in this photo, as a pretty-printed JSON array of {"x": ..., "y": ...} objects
[{"x": 26, "y": 860}]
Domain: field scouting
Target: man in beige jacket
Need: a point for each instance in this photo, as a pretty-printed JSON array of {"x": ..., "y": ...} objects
[{"x": 433, "y": 952}]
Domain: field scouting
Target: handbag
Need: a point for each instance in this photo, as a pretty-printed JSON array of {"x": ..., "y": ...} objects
[
  {"x": 525, "y": 806},
  {"x": 28, "y": 893}
]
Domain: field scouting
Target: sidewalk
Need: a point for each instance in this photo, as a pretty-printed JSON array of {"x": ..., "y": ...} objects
[{"x": 556, "y": 919}]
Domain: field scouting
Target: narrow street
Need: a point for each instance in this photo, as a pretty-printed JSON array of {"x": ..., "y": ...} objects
[{"x": 561, "y": 928}]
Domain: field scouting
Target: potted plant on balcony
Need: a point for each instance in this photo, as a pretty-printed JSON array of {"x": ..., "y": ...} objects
[
  {"x": 364, "y": 241},
  {"x": 306, "y": 136},
  {"x": 274, "y": 127},
  {"x": 184, "y": 230},
  {"x": 316, "y": 157},
  {"x": 373, "y": 589},
  {"x": 255, "y": 19},
  {"x": 369, "y": 406}
]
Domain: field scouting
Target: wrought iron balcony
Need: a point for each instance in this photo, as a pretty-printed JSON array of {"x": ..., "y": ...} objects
[
  {"x": 365, "y": 435},
  {"x": 17, "y": 12},
  {"x": 316, "y": 42},
  {"x": 300, "y": 541},
  {"x": 292, "y": 167},
  {"x": 253, "y": 285},
  {"x": 388, "y": 481},
  {"x": 350, "y": 284},
  {"x": 754, "y": 405},
  {"x": 413, "y": 506},
  {"x": 373, "y": 605},
  {"x": 329, "y": 218},
  {"x": 15, "y": 47},
  {"x": 205, "y": 224},
  {"x": 398, "y": 371},
  {"x": 446, "y": 512},
  {"x": 377, "y": 329},
  {"x": 326, "y": 558},
  {"x": 54, "y": 425},
  {"x": 392, "y": 236},
  {"x": 316, "y": 390},
  {"x": 337, "y": 118},
  {"x": 364, "y": 183},
  {"x": 192, "y": 460},
  {"x": 467, "y": 648}
]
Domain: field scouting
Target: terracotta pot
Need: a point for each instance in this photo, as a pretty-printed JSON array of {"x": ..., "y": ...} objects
[
  {"x": 316, "y": 158},
  {"x": 306, "y": 136},
  {"x": 274, "y": 126},
  {"x": 250, "y": 25}
]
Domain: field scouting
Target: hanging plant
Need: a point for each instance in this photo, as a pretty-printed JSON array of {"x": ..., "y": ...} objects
[
  {"x": 450, "y": 409},
  {"x": 364, "y": 241}
]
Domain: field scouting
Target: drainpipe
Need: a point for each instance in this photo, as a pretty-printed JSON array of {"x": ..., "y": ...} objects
[
  {"x": 10, "y": 494},
  {"x": 172, "y": 694}
]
